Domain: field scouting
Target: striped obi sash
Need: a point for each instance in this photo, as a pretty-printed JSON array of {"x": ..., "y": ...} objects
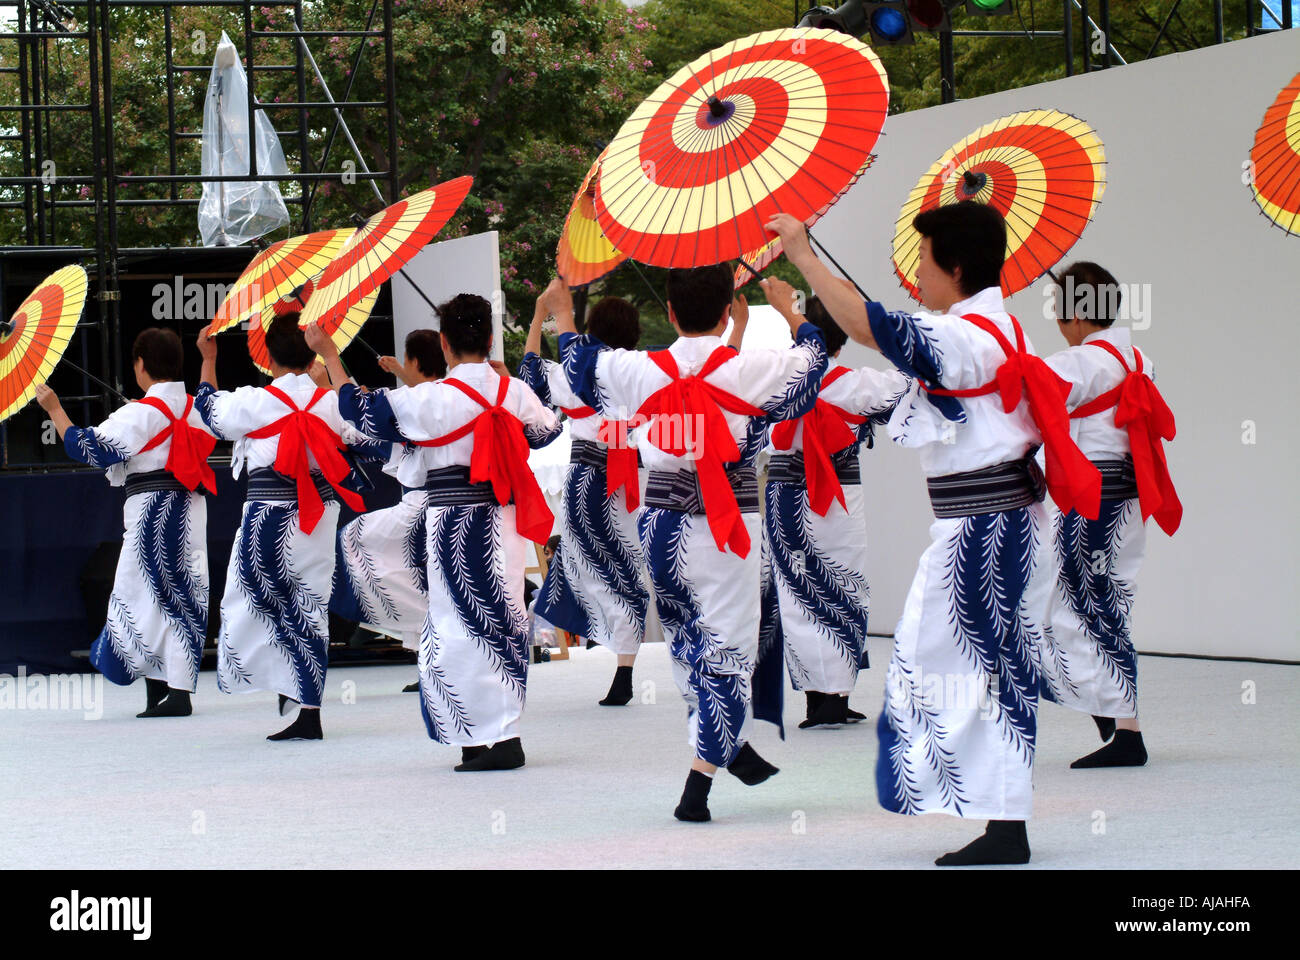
[
  {"x": 995, "y": 489},
  {"x": 680, "y": 490}
]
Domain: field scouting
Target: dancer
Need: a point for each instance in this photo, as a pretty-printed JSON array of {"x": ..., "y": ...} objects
[
  {"x": 1118, "y": 419},
  {"x": 957, "y": 731},
  {"x": 701, "y": 399},
  {"x": 274, "y": 618},
  {"x": 815, "y": 522},
  {"x": 594, "y": 589},
  {"x": 381, "y": 574},
  {"x": 483, "y": 506},
  {"x": 157, "y": 448}
]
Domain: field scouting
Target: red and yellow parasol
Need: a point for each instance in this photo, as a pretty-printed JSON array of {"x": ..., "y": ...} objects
[
  {"x": 33, "y": 340},
  {"x": 768, "y": 252},
  {"x": 380, "y": 248},
  {"x": 295, "y": 302},
  {"x": 1275, "y": 160},
  {"x": 276, "y": 272},
  {"x": 1043, "y": 170},
  {"x": 583, "y": 254},
  {"x": 780, "y": 121}
]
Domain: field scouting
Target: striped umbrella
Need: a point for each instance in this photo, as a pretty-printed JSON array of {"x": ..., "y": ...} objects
[
  {"x": 276, "y": 272},
  {"x": 779, "y": 121},
  {"x": 1275, "y": 160},
  {"x": 583, "y": 254},
  {"x": 1043, "y": 170},
  {"x": 768, "y": 252},
  {"x": 295, "y": 302},
  {"x": 378, "y": 250},
  {"x": 32, "y": 341}
]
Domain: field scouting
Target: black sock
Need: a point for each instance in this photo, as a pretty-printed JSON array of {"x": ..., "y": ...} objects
[
  {"x": 175, "y": 704},
  {"x": 851, "y": 716},
  {"x": 814, "y": 700},
  {"x": 412, "y": 687},
  {"x": 503, "y": 755},
  {"x": 1126, "y": 750},
  {"x": 750, "y": 767},
  {"x": 305, "y": 726},
  {"x": 469, "y": 753},
  {"x": 285, "y": 704},
  {"x": 1105, "y": 727},
  {"x": 831, "y": 712},
  {"x": 620, "y": 691},
  {"x": 154, "y": 691},
  {"x": 1004, "y": 841},
  {"x": 694, "y": 805}
]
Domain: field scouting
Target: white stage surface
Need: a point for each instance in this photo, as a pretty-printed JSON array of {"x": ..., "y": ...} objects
[{"x": 601, "y": 783}]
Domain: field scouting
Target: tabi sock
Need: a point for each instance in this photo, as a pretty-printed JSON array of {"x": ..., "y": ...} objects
[
  {"x": 1105, "y": 727},
  {"x": 620, "y": 691},
  {"x": 851, "y": 716},
  {"x": 1126, "y": 750},
  {"x": 1003, "y": 841},
  {"x": 750, "y": 767},
  {"x": 505, "y": 755},
  {"x": 175, "y": 704},
  {"x": 831, "y": 712},
  {"x": 305, "y": 726},
  {"x": 154, "y": 691},
  {"x": 814, "y": 700},
  {"x": 694, "y": 805}
]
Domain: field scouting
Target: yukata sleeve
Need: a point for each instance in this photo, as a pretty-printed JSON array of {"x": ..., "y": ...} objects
[
  {"x": 785, "y": 383},
  {"x": 579, "y": 354},
  {"x": 937, "y": 351},
  {"x": 534, "y": 370},
  {"x": 117, "y": 439},
  {"x": 228, "y": 414},
  {"x": 370, "y": 414},
  {"x": 541, "y": 425}
]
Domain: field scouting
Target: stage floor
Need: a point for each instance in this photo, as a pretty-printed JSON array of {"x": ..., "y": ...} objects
[{"x": 601, "y": 783}]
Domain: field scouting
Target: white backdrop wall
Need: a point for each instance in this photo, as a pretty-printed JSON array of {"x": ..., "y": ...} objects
[
  {"x": 1224, "y": 334},
  {"x": 463, "y": 265}
]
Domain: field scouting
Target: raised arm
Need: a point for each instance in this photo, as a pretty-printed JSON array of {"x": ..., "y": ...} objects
[
  {"x": 843, "y": 304},
  {"x": 739, "y": 320}
]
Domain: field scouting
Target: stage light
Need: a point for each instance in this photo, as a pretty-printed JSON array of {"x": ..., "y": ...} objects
[
  {"x": 929, "y": 15},
  {"x": 988, "y": 8},
  {"x": 847, "y": 18},
  {"x": 888, "y": 23}
]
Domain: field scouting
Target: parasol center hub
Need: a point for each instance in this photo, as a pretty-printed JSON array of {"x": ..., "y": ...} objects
[
  {"x": 719, "y": 111},
  {"x": 972, "y": 182}
]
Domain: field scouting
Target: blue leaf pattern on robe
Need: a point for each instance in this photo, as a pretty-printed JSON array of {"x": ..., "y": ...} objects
[
  {"x": 84, "y": 445},
  {"x": 592, "y": 533},
  {"x": 164, "y": 555}
]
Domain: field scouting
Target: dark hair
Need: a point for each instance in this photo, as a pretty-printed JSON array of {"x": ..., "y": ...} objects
[
  {"x": 969, "y": 235},
  {"x": 553, "y": 544},
  {"x": 698, "y": 295},
  {"x": 1088, "y": 293},
  {"x": 287, "y": 345},
  {"x": 424, "y": 347},
  {"x": 815, "y": 312},
  {"x": 162, "y": 353},
  {"x": 615, "y": 323},
  {"x": 466, "y": 321}
]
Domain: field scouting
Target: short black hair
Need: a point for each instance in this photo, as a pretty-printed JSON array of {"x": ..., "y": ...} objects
[
  {"x": 969, "y": 235},
  {"x": 616, "y": 323},
  {"x": 466, "y": 321},
  {"x": 698, "y": 295},
  {"x": 1088, "y": 292},
  {"x": 815, "y": 312},
  {"x": 424, "y": 347},
  {"x": 287, "y": 345},
  {"x": 162, "y": 353},
  {"x": 553, "y": 544}
]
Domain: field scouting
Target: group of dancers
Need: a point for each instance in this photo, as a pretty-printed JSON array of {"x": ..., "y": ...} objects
[{"x": 1008, "y": 601}]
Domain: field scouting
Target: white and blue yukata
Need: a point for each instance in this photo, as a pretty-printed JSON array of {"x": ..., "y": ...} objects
[
  {"x": 158, "y": 608},
  {"x": 594, "y": 587},
  {"x": 708, "y": 599},
  {"x": 961, "y": 692},
  {"x": 275, "y": 613},
  {"x": 381, "y": 577},
  {"x": 819, "y": 563},
  {"x": 473, "y": 654},
  {"x": 1089, "y": 662}
]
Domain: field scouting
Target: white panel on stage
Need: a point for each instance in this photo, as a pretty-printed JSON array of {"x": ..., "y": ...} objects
[
  {"x": 1177, "y": 218},
  {"x": 441, "y": 270}
]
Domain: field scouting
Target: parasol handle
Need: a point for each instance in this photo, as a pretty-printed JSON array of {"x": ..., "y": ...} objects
[
  {"x": 86, "y": 373},
  {"x": 649, "y": 286},
  {"x": 744, "y": 263},
  {"x": 838, "y": 267}
]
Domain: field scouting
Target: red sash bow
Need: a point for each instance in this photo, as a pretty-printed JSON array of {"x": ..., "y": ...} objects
[
  {"x": 301, "y": 431},
  {"x": 1142, "y": 411},
  {"x": 690, "y": 403},
  {"x": 501, "y": 458},
  {"x": 1073, "y": 480},
  {"x": 621, "y": 469},
  {"x": 187, "y": 460},
  {"x": 826, "y": 431}
]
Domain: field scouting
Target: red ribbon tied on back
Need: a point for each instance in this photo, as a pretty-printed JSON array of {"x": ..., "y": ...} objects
[
  {"x": 690, "y": 411},
  {"x": 500, "y": 458},
  {"x": 1142, "y": 411},
  {"x": 1072, "y": 479},
  {"x": 826, "y": 431},
  {"x": 187, "y": 459},
  {"x": 300, "y": 432}
]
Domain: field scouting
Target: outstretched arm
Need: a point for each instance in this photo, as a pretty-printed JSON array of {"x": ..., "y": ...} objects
[
  {"x": 841, "y": 303},
  {"x": 49, "y": 402}
]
